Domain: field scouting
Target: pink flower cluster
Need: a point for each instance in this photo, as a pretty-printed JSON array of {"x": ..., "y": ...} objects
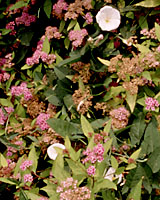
[
  {"x": 69, "y": 190},
  {"x": 25, "y": 19},
  {"x": 94, "y": 155},
  {"x": 3, "y": 116},
  {"x": 28, "y": 178},
  {"x": 120, "y": 113},
  {"x": 7, "y": 171},
  {"x": 58, "y": 8},
  {"x": 88, "y": 17},
  {"x": 11, "y": 150},
  {"x": 52, "y": 32},
  {"x": 4, "y": 76},
  {"x": 41, "y": 121},
  {"x": 91, "y": 170},
  {"x": 77, "y": 36},
  {"x": 47, "y": 58},
  {"x": 11, "y": 26},
  {"x": 151, "y": 103},
  {"x": 21, "y": 90},
  {"x": 26, "y": 164}
]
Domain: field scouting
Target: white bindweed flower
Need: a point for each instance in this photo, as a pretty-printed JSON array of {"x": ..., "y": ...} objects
[
  {"x": 51, "y": 151},
  {"x": 108, "y": 18},
  {"x": 111, "y": 176}
]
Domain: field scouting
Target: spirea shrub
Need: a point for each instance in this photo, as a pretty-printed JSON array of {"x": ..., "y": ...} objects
[{"x": 79, "y": 99}]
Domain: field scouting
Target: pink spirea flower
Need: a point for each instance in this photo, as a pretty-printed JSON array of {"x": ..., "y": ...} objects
[
  {"x": 88, "y": 17},
  {"x": 95, "y": 155},
  {"x": 28, "y": 178},
  {"x": 22, "y": 89},
  {"x": 11, "y": 26},
  {"x": 26, "y": 164},
  {"x": 120, "y": 113},
  {"x": 6, "y": 76},
  {"x": 9, "y": 110},
  {"x": 41, "y": 121},
  {"x": 151, "y": 103},
  {"x": 3, "y": 117},
  {"x": 59, "y": 7},
  {"x": 91, "y": 170},
  {"x": 25, "y": 19},
  {"x": 77, "y": 36}
]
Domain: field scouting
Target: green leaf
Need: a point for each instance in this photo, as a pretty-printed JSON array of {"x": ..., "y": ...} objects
[
  {"x": 5, "y": 31},
  {"x": 34, "y": 157},
  {"x": 77, "y": 27},
  {"x": 103, "y": 61},
  {"x": 26, "y": 38},
  {"x": 149, "y": 3},
  {"x": 3, "y": 161},
  {"x": 46, "y": 46},
  {"x": 71, "y": 24},
  {"x": 64, "y": 128},
  {"x": 47, "y": 7},
  {"x": 146, "y": 75},
  {"x": 114, "y": 162},
  {"x": 74, "y": 165},
  {"x": 104, "y": 184},
  {"x": 50, "y": 190},
  {"x": 131, "y": 100},
  {"x": 5, "y": 180},
  {"x": 143, "y": 22},
  {"x": 58, "y": 169},
  {"x": 131, "y": 166},
  {"x": 26, "y": 67},
  {"x": 151, "y": 138},
  {"x": 136, "y": 154},
  {"x": 137, "y": 129},
  {"x": 154, "y": 160},
  {"x": 18, "y": 4},
  {"x": 136, "y": 192},
  {"x": 6, "y": 102},
  {"x": 108, "y": 126},
  {"x": 143, "y": 49},
  {"x": 157, "y": 27},
  {"x": 23, "y": 195},
  {"x": 86, "y": 126},
  {"x": 107, "y": 145}
]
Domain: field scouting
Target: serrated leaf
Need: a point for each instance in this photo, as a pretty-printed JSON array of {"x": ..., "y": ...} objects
[
  {"x": 86, "y": 126},
  {"x": 131, "y": 100},
  {"x": 46, "y": 46},
  {"x": 103, "y": 61},
  {"x": 149, "y": 3},
  {"x": 157, "y": 29}
]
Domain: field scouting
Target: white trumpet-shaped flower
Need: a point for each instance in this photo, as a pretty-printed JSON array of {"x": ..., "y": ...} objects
[
  {"x": 110, "y": 175},
  {"x": 51, "y": 151},
  {"x": 108, "y": 18}
]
